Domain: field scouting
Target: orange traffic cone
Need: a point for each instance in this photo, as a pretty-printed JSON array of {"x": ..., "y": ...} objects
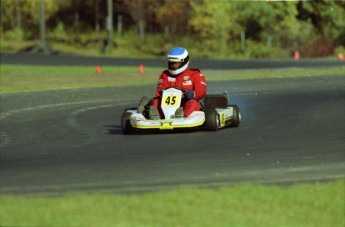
[
  {"x": 141, "y": 68},
  {"x": 296, "y": 55},
  {"x": 98, "y": 69}
]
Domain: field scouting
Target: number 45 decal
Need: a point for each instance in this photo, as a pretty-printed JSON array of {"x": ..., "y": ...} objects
[{"x": 170, "y": 100}]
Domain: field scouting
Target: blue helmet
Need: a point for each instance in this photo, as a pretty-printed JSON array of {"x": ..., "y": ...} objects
[{"x": 178, "y": 54}]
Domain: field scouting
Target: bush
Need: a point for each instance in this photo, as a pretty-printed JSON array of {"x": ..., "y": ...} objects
[
  {"x": 318, "y": 48},
  {"x": 17, "y": 34},
  {"x": 339, "y": 50},
  {"x": 59, "y": 33},
  {"x": 258, "y": 50}
]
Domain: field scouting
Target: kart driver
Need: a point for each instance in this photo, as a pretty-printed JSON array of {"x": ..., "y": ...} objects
[{"x": 179, "y": 75}]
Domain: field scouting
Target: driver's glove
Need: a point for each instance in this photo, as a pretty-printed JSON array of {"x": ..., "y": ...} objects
[{"x": 189, "y": 94}]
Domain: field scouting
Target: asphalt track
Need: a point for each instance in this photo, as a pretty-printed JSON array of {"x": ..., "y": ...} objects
[{"x": 292, "y": 130}]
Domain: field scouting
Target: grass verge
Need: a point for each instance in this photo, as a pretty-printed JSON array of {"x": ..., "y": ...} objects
[
  {"x": 24, "y": 78},
  {"x": 319, "y": 204}
]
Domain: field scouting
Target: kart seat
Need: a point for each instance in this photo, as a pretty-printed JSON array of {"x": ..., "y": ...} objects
[{"x": 215, "y": 101}]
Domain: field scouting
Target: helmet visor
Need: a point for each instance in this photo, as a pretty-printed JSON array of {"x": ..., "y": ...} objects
[
  {"x": 177, "y": 63},
  {"x": 174, "y": 65}
]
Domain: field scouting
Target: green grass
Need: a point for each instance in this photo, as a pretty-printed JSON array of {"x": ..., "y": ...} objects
[
  {"x": 24, "y": 78},
  {"x": 319, "y": 204}
]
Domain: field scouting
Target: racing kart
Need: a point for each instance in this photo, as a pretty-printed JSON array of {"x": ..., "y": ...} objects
[{"x": 216, "y": 113}]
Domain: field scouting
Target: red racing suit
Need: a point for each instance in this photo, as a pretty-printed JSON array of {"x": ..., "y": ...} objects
[{"x": 190, "y": 79}]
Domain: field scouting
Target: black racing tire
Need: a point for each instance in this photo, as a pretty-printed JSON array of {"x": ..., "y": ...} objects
[
  {"x": 212, "y": 119},
  {"x": 126, "y": 126},
  {"x": 235, "y": 122}
]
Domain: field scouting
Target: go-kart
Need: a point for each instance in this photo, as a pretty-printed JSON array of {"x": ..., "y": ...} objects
[{"x": 216, "y": 113}]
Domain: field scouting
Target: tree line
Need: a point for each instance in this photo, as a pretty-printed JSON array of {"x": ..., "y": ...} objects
[{"x": 316, "y": 27}]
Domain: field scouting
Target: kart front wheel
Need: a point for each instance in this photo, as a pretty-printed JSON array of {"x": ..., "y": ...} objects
[
  {"x": 212, "y": 119},
  {"x": 126, "y": 126}
]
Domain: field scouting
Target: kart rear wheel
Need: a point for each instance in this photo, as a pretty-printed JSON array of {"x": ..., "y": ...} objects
[
  {"x": 212, "y": 119},
  {"x": 235, "y": 122},
  {"x": 126, "y": 126}
]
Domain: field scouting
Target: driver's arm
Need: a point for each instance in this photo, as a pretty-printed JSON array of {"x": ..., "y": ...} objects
[
  {"x": 199, "y": 86},
  {"x": 162, "y": 84}
]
